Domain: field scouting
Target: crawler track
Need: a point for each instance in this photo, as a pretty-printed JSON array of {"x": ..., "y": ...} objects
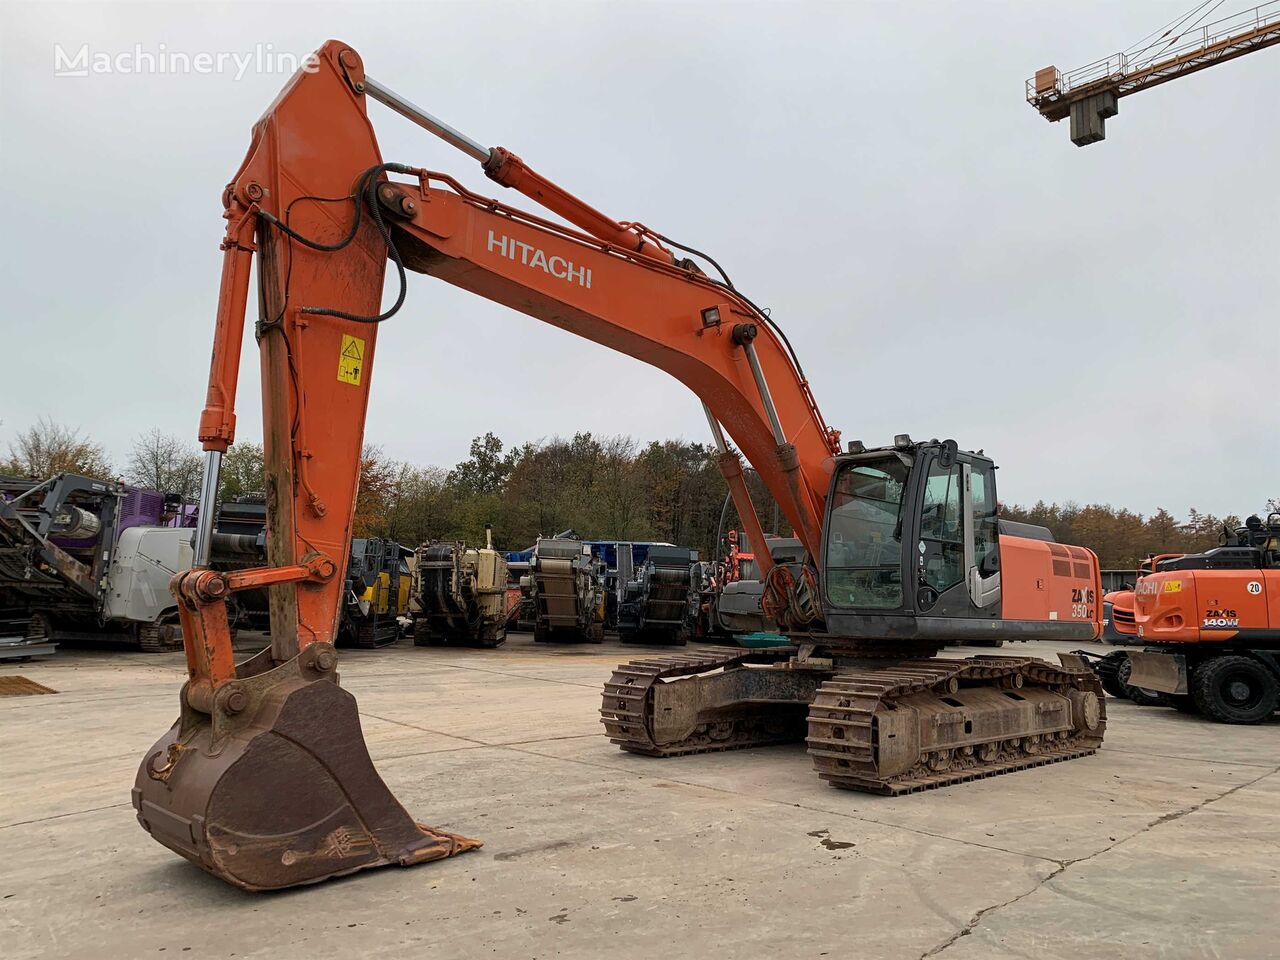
[
  {"x": 904, "y": 727},
  {"x": 627, "y": 704},
  {"x": 158, "y": 638},
  {"x": 372, "y": 632},
  {"x": 844, "y": 732}
]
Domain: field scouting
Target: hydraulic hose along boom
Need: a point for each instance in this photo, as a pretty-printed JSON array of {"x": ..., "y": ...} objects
[{"x": 265, "y": 780}]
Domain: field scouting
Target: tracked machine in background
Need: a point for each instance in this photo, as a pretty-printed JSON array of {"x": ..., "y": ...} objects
[
  {"x": 901, "y": 550},
  {"x": 658, "y": 603},
  {"x": 377, "y": 593},
  {"x": 459, "y": 594},
  {"x": 56, "y": 541},
  {"x": 567, "y": 590},
  {"x": 89, "y": 560}
]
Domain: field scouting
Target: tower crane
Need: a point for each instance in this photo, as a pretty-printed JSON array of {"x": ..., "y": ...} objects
[{"x": 1090, "y": 95}]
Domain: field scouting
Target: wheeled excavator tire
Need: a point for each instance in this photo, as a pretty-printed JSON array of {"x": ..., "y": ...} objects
[
  {"x": 1113, "y": 672},
  {"x": 898, "y": 728},
  {"x": 274, "y": 787},
  {"x": 1235, "y": 689},
  {"x": 1108, "y": 670},
  {"x": 1139, "y": 695}
]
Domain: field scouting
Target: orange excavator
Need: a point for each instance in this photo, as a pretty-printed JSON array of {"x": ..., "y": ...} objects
[
  {"x": 265, "y": 780},
  {"x": 1212, "y": 624}
]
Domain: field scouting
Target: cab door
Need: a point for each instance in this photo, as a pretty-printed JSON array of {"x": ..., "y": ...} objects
[{"x": 981, "y": 536}]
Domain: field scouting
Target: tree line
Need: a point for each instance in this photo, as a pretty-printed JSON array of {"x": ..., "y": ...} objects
[
  {"x": 610, "y": 487},
  {"x": 600, "y": 487},
  {"x": 603, "y": 488},
  {"x": 1122, "y": 538}
]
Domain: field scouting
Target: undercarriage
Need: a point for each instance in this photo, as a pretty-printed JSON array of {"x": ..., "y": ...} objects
[{"x": 873, "y": 723}]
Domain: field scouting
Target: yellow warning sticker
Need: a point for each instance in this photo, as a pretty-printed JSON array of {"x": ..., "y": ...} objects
[
  {"x": 1173, "y": 586},
  {"x": 351, "y": 360}
]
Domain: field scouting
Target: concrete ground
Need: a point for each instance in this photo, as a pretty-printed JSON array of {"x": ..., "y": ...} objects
[{"x": 1165, "y": 844}]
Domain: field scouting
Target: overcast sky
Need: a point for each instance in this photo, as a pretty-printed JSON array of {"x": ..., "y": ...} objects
[{"x": 1102, "y": 321}]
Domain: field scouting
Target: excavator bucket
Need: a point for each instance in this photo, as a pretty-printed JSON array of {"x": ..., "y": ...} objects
[{"x": 274, "y": 787}]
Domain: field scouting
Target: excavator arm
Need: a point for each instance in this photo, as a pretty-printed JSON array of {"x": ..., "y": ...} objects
[
  {"x": 317, "y": 205},
  {"x": 314, "y": 201}
]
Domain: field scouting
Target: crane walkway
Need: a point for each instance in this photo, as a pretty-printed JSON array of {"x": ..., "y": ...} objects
[{"x": 1177, "y": 51}]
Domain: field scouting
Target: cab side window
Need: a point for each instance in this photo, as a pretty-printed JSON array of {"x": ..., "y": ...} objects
[
  {"x": 986, "y": 533},
  {"x": 942, "y": 528}
]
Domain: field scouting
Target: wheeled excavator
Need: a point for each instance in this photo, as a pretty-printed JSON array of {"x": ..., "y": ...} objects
[
  {"x": 265, "y": 780},
  {"x": 1211, "y": 622}
]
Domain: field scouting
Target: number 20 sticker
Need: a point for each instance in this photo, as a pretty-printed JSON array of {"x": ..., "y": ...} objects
[{"x": 1254, "y": 587}]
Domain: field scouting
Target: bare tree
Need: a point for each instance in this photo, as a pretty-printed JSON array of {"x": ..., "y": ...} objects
[
  {"x": 618, "y": 492},
  {"x": 163, "y": 462},
  {"x": 48, "y": 448}
]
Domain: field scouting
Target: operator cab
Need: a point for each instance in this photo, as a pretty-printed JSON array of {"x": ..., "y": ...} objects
[
  {"x": 912, "y": 542},
  {"x": 1256, "y": 545}
]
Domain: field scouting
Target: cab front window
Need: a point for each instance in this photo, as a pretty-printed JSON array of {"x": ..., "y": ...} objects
[{"x": 864, "y": 536}]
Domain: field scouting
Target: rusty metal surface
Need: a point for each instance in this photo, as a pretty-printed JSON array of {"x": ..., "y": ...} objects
[
  {"x": 900, "y": 728},
  {"x": 631, "y": 700},
  {"x": 275, "y": 787},
  {"x": 930, "y": 723},
  {"x": 22, "y": 687}
]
